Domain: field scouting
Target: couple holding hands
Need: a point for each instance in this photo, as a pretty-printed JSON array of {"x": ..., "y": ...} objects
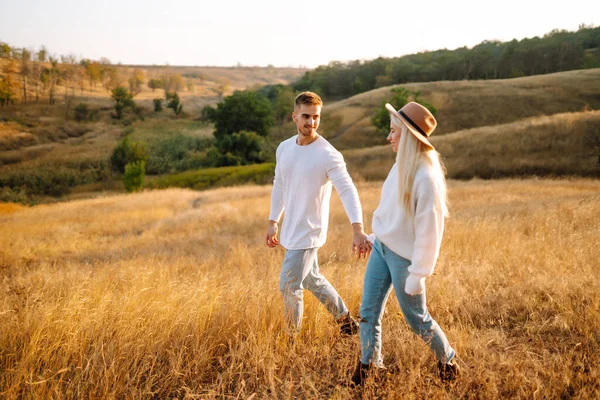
[{"x": 407, "y": 228}]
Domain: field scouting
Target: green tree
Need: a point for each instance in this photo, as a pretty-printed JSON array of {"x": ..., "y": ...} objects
[
  {"x": 174, "y": 103},
  {"x": 243, "y": 111},
  {"x": 133, "y": 177},
  {"x": 400, "y": 97},
  {"x": 282, "y": 101},
  {"x": 4, "y": 50},
  {"x": 155, "y": 84},
  {"x": 123, "y": 99},
  {"x": 6, "y": 91}
]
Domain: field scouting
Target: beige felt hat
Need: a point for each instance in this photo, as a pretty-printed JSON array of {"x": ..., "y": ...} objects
[{"x": 419, "y": 120}]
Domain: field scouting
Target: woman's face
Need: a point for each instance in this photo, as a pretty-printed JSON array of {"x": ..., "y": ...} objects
[{"x": 394, "y": 136}]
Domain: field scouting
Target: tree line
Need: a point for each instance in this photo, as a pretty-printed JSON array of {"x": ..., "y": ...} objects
[
  {"x": 559, "y": 50},
  {"x": 28, "y": 76}
]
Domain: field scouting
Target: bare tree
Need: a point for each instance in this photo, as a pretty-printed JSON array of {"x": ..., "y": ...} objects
[
  {"x": 111, "y": 78},
  {"x": 136, "y": 80},
  {"x": 25, "y": 71},
  {"x": 51, "y": 77}
]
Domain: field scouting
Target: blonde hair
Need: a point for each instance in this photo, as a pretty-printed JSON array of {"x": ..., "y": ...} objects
[{"x": 411, "y": 154}]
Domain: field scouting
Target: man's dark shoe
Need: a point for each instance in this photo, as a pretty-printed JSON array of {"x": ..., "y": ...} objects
[
  {"x": 449, "y": 371},
  {"x": 348, "y": 325},
  {"x": 360, "y": 374},
  {"x": 362, "y": 371}
]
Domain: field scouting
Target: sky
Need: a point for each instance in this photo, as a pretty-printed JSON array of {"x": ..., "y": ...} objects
[{"x": 276, "y": 32}]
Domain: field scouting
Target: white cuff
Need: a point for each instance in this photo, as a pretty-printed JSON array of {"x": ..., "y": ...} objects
[
  {"x": 415, "y": 284},
  {"x": 371, "y": 238}
]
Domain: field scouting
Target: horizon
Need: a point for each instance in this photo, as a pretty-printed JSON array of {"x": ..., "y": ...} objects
[{"x": 157, "y": 37}]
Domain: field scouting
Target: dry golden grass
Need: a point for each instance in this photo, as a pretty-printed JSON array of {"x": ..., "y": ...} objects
[
  {"x": 173, "y": 294},
  {"x": 7, "y": 208},
  {"x": 470, "y": 104},
  {"x": 558, "y": 145}
]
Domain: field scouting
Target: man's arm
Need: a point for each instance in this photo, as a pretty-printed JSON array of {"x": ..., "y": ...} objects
[
  {"x": 338, "y": 174},
  {"x": 277, "y": 206},
  {"x": 360, "y": 243}
]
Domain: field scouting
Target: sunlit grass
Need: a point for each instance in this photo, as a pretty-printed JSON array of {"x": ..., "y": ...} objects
[{"x": 174, "y": 294}]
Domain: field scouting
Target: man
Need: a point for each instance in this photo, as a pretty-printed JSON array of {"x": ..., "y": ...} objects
[{"x": 307, "y": 166}]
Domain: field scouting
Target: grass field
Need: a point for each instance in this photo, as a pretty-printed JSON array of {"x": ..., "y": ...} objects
[{"x": 173, "y": 293}]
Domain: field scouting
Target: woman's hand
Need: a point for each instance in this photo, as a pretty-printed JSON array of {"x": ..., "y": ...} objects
[{"x": 415, "y": 285}]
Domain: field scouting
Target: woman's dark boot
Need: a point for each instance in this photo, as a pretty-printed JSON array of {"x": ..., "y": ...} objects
[
  {"x": 449, "y": 371},
  {"x": 360, "y": 373}
]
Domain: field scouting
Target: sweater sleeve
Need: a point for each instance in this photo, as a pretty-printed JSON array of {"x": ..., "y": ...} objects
[
  {"x": 338, "y": 174},
  {"x": 277, "y": 202},
  {"x": 429, "y": 229}
]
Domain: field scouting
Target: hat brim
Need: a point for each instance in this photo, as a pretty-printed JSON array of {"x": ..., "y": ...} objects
[{"x": 412, "y": 130}]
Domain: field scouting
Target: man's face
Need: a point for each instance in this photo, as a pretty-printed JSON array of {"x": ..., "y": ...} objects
[{"x": 307, "y": 118}]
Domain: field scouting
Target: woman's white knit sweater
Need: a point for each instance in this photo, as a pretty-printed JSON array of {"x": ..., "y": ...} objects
[{"x": 416, "y": 238}]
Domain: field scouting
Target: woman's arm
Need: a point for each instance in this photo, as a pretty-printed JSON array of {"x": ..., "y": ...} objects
[{"x": 429, "y": 229}]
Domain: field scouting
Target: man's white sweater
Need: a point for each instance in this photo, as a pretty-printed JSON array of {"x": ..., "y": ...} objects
[
  {"x": 302, "y": 187},
  {"x": 416, "y": 238}
]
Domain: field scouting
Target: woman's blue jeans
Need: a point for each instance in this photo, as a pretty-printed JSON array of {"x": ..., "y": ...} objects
[{"x": 386, "y": 268}]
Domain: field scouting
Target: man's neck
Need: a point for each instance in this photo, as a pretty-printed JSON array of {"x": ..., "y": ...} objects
[{"x": 306, "y": 140}]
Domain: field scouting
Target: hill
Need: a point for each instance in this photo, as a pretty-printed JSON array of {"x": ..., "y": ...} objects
[
  {"x": 172, "y": 294},
  {"x": 198, "y": 85},
  {"x": 467, "y": 104},
  {"x": 40, "y": 150},
  {"x": 556, "y": 51},
  {"x": 566, "y": 144}
]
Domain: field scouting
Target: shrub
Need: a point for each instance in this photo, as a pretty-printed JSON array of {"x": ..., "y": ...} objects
[
  {"x": 157, "y": 105},
  {"x": 216, "y": 177},
  {"x": 208, "y": 113},
  {"x": 239, "y": 149},
  {"x": 125, "y": 153},
  {"x": 54, "y": 179},
  {"x": 174, "y": 153},
  {"x": 82, "y": 112},
  {"x": 18, "y": 195}
]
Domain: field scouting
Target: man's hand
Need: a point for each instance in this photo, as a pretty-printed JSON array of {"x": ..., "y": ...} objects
[
  {"x": 272, "y": 234},
  {"x": 360, "y": 244}
]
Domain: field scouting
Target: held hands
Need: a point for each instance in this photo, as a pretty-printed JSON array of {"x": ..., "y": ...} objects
[
  {"x": 272, "y": 234},
  {"x": 360, "y": 243}
]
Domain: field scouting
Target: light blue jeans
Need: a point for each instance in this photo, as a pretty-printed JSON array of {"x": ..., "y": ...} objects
[
  {"x": 386, "y": 268},
  {"x": 300, "y": 270}
]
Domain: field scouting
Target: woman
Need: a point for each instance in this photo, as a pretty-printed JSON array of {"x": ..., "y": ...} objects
[{"x": 408, "y": 227}]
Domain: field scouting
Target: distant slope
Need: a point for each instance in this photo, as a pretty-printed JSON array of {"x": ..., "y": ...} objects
[
  {"x": 565, "y": 144},
  {"x": 467, "y": 104}
]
